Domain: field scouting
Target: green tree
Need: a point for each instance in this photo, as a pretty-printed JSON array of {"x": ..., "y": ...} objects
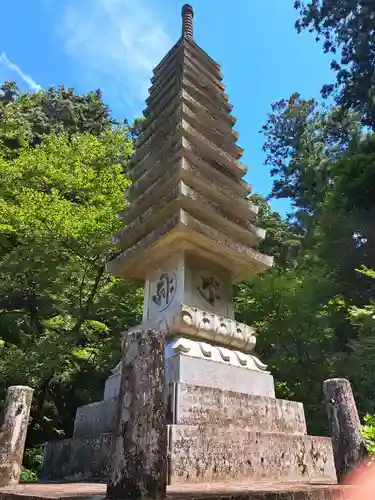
[
  {"x": 25, "y": 118},
  {"x": 283, "y": 240},
  {"x": 347, "y": 30},
  {"x": 302, "y": 142},
  {"x": 61, "y": 315}
]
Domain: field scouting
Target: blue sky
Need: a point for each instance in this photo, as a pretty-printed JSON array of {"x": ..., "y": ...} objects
[{"x": 114, "y": 44}]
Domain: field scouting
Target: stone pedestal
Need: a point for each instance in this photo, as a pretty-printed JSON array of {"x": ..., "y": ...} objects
[{"x": 14, "y": 422}]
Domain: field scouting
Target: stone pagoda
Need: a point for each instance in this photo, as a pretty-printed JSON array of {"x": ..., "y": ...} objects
[{"x": 188, "y": 236}]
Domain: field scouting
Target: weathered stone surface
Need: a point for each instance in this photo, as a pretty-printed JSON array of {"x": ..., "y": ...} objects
[
  {"x": 204, "y": 325},
  {"x": 178, "y": 126},
  {"x": 165, "y": 125},
  {"x": 139, "y": 459},
  {"x": 186, "y": 89},
  {"x": 207, "y": 116},
  {"x": 81, "y": 459},
  {"x": 14, "y": 421},
  {"x": 203, "y": 177},
  {"x": 153, "y": 124},
  {"x": 205, "y": 373},
  {"x": 166, "y": 101},
  {"x": 214, "y": 106},
  {"x": 197, "y": 405},
  {"x": 167, "y": 153},
  {"x": 213, "y": 152},
  {"x": 202, "y": 454},
  {"x": 197, "y": 53},
  {"x": 216, "y": 96},
  {"x": 347, "y": 441},
  {"x": 196, "y": 204},
  {"x": 185, "y": 55},
  {"x": 177, "y": 69},
  {"x": 207, "y": 124},
  {"x": 95, "y": 419},
  {"x": 204, "y": 122}
]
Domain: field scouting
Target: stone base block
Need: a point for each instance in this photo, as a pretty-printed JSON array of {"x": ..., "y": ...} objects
[
  {"x": 96, "y": 418},
  {"x": 112, "y": 386},
  {"x": 196, "y": 405},
  {"x": 78, "y": 459},
  {"x": 207, "y": 373},
  {"x": 205, "y": 454}
]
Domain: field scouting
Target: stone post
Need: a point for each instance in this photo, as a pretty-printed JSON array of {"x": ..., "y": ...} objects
[
  {"x": 139, "y": 460},
  {"x": 14, "y": 422},
  {"x": 347, "y": 441}
]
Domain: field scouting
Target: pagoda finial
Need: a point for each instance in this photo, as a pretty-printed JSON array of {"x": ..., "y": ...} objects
[{"x": 187, "y": 21}]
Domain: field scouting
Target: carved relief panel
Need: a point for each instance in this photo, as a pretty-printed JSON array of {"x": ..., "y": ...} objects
[
  {"x": 208, "y": 289},
  {"x": 164, "y": 289}
]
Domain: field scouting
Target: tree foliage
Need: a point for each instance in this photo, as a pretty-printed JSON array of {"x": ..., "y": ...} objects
[
  {"x": 319, "y": 312},
  {"x": 347, "y": 30},
  {"x": 26, "y": 118},
  {"x": 61, "y": 315}
]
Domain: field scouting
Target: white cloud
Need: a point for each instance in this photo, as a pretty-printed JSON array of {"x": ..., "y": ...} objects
[
  {"x": 116, "y": 44},
  {"x": 13, "y": 67}
]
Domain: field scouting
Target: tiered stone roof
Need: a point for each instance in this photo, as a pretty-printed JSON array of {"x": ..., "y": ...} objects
[{"x": 187, "y": 191}]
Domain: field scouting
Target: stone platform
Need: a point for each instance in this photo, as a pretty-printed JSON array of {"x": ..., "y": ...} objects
[
  {"x": 215, "y": 435},
  {"x": 264, "y": 491}
]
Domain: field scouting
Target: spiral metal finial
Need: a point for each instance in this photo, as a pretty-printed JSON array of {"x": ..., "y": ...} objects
[{"x": 187, "y": 21}]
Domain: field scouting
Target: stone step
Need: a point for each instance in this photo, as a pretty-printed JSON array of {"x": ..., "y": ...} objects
[
  {"x": 205, "y": 454},
  {"x": 198, "y": 405},
  {"x": 204, "y": 372},
  {"x": 200, "y": 455},
  {"x": 79, "y": 459},
  {"x": 96, "y": 418}
]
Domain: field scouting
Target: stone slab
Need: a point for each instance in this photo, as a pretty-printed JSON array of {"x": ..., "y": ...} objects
[
  {"x": 96, "y": 418},
  {"x": 267, "y": 491},
  {"x": 112, "y": 386},
  {"x": 207, "y": 373},
  {"x": 197, "y": 405},
  {"x": 203, "y": 454},
  {"x": 138, "y": 465},
  {"x": 78, "y": 459}
]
